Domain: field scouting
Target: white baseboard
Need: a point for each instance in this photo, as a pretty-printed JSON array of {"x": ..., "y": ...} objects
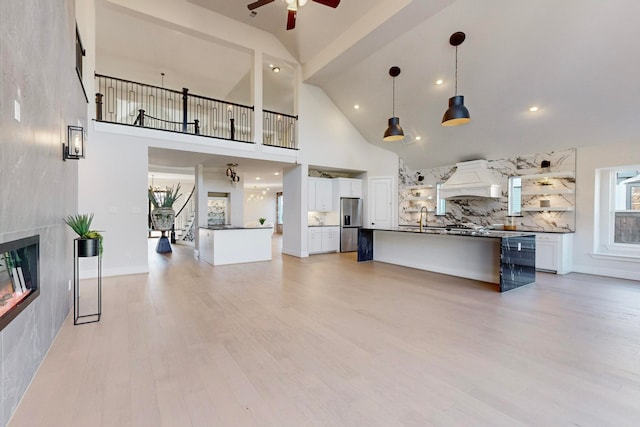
[
  {"x": 295, "y": 253},
  {"x": 608, "y": 272},
  {"x": 110, "y": 272}
]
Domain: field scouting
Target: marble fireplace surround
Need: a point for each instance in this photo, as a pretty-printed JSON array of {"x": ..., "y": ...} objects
[{"x": 487, "y": 212}]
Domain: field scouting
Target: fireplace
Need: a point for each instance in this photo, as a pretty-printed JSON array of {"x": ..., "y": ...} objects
[{"x": 19, "y": 284}]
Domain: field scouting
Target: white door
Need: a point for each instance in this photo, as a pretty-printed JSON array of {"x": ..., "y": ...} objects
[{"x": 380, "y": 200}]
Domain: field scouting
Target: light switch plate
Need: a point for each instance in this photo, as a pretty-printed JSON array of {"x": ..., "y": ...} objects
[{"x": 16, "y": 109}]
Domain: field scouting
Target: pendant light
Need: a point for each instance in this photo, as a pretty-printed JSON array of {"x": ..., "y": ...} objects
[
  {"x": 457, "y": 113},
  {"x": 394, "y": 131}
]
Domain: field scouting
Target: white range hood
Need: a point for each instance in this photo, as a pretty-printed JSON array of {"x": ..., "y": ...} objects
[{"x": 471, "y": 179}]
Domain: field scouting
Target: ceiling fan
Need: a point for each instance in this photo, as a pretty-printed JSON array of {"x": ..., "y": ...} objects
[{"x": 292, "y": 8}]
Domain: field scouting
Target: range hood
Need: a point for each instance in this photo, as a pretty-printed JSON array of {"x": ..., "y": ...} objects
[{"x": 471, "y": 179}]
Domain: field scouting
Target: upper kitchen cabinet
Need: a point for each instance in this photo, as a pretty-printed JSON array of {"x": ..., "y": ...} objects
[
  {"x": 320, "y": 194},
  {"x": 348, "y": 187}
]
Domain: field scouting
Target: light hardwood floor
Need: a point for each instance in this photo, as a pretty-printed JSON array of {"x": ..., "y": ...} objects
[{"x": 326, "y": 341}]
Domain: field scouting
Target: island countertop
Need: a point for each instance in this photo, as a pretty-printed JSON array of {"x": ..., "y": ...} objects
[
  {"x": 228, "y": 244},
  {"x": 233, "y": 227},
  {"x": 449, "y": 231}
]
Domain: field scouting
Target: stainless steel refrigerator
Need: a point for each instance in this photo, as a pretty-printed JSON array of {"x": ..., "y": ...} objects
[{"x": 350, "y": 221}]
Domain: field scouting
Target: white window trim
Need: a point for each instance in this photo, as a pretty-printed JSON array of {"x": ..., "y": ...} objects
[{"x": 604, "y": 246}]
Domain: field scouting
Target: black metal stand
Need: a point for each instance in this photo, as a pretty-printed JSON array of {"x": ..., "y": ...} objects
[{"x": 83, "y": 248}]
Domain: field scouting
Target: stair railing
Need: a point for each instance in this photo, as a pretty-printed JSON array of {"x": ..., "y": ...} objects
[{"x": 185, "y": 218}]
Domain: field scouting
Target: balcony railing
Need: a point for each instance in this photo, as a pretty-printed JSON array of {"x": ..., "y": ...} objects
[
  {"x": 138, "y": 104},
  {"x": 279, "y": 130}
]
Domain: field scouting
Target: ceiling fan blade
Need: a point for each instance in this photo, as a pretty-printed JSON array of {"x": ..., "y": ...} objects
[
  {"x": 291, "y": 20},
  {"x": 258, "y": 3},
  {"x": 330, "y": 3}
]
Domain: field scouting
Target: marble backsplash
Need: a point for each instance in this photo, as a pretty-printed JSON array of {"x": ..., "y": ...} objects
[{"x": 487, "y": 212}]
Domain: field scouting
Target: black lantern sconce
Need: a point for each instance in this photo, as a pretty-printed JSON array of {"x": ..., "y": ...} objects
[
  {"x": 74, "y": 148},
  {"x": 231, "y": 172}
]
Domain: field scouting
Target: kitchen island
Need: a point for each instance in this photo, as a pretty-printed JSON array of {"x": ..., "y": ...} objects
[
  {"x": 225, "y": 244},
  {"x": 502, "y": 257}
]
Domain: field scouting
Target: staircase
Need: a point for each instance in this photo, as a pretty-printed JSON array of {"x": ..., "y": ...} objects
[{"x": 185, "y": 222}]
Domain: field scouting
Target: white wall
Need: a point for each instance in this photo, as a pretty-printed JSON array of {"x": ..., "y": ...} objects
[
  {"x": 260, "y": 205},
  {"x": 207, "y": 24},
  {"x": 216, "y": 181},
  {"x": 328, "y": 139},
  {"x": 588, "y": 160},
  {"x": 113, "y": 185},
  {"x": 294, "y": 214}
]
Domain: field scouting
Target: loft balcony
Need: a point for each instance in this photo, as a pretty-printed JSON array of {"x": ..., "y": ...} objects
[{"x": 131, "y": 103}]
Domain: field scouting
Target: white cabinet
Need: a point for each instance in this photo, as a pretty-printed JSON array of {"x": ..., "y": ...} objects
[
  {"x": 315, "y": 240},
  {"x": 348, "y": 187},
  {"x": 324, "y": 239},
  {"x": 330, "y": 239},
  {"x": 320, "y": 195},
  {"x": 554, "y": 252}
]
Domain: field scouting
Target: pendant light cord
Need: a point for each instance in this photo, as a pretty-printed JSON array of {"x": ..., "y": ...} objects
[
  {"x": 393, "y": 105},
  {"x": 456, "y": 85}
]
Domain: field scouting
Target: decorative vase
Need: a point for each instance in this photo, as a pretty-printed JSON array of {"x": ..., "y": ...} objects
[
  {"x": 88, "y": 247},
  {"x": 163, "y": 218}
]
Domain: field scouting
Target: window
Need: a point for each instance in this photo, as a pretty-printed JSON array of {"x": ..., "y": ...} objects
[
  {"x": 80, "y": 53},
  {"x": 617, "y": 216},
  {"x": 515, "y": 196},
  {"x": 441, "y": 204},
  {"x": 626, "y": 227},
  {"x": 279, "y": 207}
]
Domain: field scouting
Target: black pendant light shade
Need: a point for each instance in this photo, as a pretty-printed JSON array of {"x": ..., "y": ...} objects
[
  {"x": 457, "y": 113},
  {"x": 394, "y": 131}
]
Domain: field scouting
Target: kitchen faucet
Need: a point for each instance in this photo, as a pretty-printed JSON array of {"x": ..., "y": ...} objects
[{"x": 426, "y": 212}]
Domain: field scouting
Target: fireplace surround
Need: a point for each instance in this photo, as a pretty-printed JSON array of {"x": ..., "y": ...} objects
[{"x": 19, "y": 281}]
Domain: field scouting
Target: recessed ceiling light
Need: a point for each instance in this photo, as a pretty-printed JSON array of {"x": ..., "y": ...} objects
[
  {"x": 257, "y": 178},
  {"x": 276, "y": 173},
  {"x": 439, "y": 81},
  {"x": 534, "y": 109},
  {"x": 418, "y": 138},
  {"x": 357, "y": 107},
  {"x": 275, "y": 69}
]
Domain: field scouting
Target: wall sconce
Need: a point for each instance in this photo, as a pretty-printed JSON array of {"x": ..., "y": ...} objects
[
  {"x": 74, "y": 149},
  {"x": 231, "y": 172}
]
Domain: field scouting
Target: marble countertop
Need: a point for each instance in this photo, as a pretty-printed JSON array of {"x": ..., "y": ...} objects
[{"x": 465, "y": 232}]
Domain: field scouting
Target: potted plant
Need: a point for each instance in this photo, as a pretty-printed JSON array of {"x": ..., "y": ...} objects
[
  {"x": 261, "y": 220},
  {"x": 89, "y": 241},
  {"x": 163, "y": 214}
]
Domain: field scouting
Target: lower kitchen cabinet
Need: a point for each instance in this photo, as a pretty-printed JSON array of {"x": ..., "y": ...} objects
[
  {"x": 554, "y": 252},
  {"x": 324, "y": 239}
]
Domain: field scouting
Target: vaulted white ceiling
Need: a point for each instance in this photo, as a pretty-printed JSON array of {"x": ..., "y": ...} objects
[{"x": 575, "y": 59}]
